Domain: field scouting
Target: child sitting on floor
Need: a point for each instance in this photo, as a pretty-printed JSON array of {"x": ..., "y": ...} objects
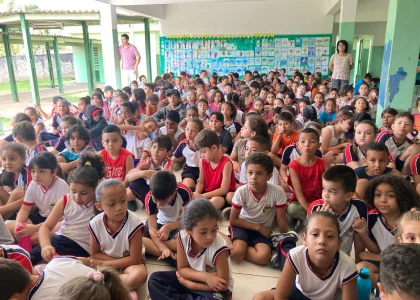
[
  {"x": 139, "y": 177},
  {"x": 24, "y": 133},
  {"x": 254, "y": 206},
  {"x": 203, "y": 264},
  {"x": 164, "y": 204},
  {"x": 217, "y": 179}
]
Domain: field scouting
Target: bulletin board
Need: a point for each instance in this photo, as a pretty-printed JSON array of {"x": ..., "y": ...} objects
[{"x": 260, "y": 52}]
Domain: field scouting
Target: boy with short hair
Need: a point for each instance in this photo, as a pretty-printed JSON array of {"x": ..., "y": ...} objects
[
  {"x": 118, "y": 161},
  {"x": 19, "y": 117},
  {"x": 139, "y": 177},
  {"x": 254, "y": 206},
  {"x": 401, "y": 147},
  {"x": 17, "y": 283},
  {"x": 339, "y": 184},
  {"x": 283, "y": 137},
  {"x": 24, "y": 133},
  {"x": 149, "y": 88},
  {"x": 217, "y": 178},
  {"x": 175, "y": 103},
  {"x": 164, "y": 204},
  {"x": 217, "y": 124},
  {"x": 171, "y": 128},
  {"x": 376, "y": 162},
  {"x": 400, "y": 273},
  {"x": 257, "y": 144},
  {"x": 66, "y": 123}
]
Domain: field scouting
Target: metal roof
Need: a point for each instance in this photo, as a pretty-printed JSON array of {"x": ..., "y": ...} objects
[
  {"x": 57, "y": 19},
  {"x": 41, "y": 39}
]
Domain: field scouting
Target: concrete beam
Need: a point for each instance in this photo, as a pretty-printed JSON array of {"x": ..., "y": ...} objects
[
  {"x": 149, "y": 11},
  {"x": 332, "y": 7}
]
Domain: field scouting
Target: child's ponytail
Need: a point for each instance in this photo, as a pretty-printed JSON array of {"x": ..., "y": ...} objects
[
  {"x": 104, "y": 284},
  {"x": 90, "y": 171}
]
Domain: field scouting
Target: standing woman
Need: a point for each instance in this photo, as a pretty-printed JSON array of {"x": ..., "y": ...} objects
[{"x": 340, "y": 64}]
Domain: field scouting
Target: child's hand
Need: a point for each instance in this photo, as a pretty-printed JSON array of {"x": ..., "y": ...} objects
[
  {"x": 265, "y": 231},
  {"x": 48, "y": 252},
  {"x": 325, "y": 207},
  {"x": 280, "y": 130},
  {"x": 365, "y": 255},
  {"x": 197, "y": 195},
  {"x": 216, "y": 283},
  {"x": 171, "y": 133},
  {"x": 94, "y": 263},
  {"x": 166, "y": 253},
  {"x": 27, "y": 229},
  {"x": 163, "y": 233},
  {"x": 330, "y": 156},
  {"x": 360, "y": 225}
]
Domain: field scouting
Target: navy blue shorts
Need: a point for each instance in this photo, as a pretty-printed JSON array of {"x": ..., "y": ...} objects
[
  {"x": 62, "y": 245},
  {"x": 35, "y": 218},
  {"x": 140, "y": 188},
  {"x": 399, "y": 164},
  {"x": 172, "y": 233},
  {"x": 251, "y": 237},
  {"x": 190, "y": 172}
]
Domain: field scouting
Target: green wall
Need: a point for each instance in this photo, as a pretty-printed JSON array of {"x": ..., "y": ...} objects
[{"x": 80, "y": 64}]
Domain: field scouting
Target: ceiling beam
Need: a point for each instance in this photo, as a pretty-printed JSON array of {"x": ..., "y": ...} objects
[{"x": 332, "y": 7}]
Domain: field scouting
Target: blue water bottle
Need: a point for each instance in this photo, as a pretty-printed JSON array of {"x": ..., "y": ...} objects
[{"x": 364, "y": 285}]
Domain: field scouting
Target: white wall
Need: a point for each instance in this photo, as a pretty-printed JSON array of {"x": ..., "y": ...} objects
[
  {"x": 377, "y": 29},
  {"x": 370, "y": 11},
  {"x": 275, "y": 16}
]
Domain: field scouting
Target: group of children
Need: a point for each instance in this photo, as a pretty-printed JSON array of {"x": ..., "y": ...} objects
[{"x": 260, "y": 150}]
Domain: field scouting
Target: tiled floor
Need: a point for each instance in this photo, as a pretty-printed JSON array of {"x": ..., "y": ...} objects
[{"x": 249, "y": 278}]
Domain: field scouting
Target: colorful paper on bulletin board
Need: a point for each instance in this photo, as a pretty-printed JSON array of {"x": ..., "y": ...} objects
[{"x": 262, "y": 53}]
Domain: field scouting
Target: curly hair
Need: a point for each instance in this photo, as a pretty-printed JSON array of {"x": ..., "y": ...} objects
[
  {"x": 400, "y": 270},
  {"x": 405, "y": 194},
  {"x": 261, "y": 159}
]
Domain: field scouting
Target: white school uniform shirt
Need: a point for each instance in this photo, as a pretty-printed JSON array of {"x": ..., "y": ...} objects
[
  {"x": 177, "y": 134},
  {"x": 45, "y": 199},
  {"x": 115, "y": 244},
  {"x": 30, "y": 154},
  {"x": 172, "y": 211},
  {"x": 130, "y": 137},
  {"x": 355, "y": 209},
  {"x": 259, "y": 211},
  {"x": 40, "y": 121},
  {"x": 318, "y": 110},
  {"x": 143, "y": 145},
  {"x": 57, "y": 272},
  {"x": 387, "y": 137},
  {"x": 205, "y": 260},
  {"x": 75, "y": 221},
  {"x": 192, "y": 156},
  {"x": 324, "y": 287},
  {"x": 379, "y": 230},
  {"x": 243, "y": 180}
]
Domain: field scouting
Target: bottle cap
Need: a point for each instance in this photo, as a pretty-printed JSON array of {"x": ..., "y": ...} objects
[{"x": 364, "y": 273}]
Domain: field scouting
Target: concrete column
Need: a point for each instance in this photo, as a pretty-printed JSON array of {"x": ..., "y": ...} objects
[
  {"x": 9, "y": 60},
  {"x": 402, "y": 45},
  {"x": 58, "y": 66},
  {"x": 147, "y": 46},
  {"x": 110, "y": 38},
  {"x": 347, "y": 22},
  {"x": 27, "y": 42},
  {"x": 88, "y": 57},
  {"x": 50, "y": 66}
]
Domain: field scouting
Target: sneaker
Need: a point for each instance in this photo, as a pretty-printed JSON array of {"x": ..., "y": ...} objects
[
  {"x": 274, "y": 263},
  {"x": 299, "y": 225},
  {"x": 178, "y": 166},
  {"x": 277, "y": 237},
  {"x": 226, "y": 213}
]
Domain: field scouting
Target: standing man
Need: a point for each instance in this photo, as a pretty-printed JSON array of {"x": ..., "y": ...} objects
[{"x": 130, "y": 59}]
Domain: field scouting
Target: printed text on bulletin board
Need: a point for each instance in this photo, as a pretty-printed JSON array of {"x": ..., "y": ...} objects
[{"x": 262, "y": 53}]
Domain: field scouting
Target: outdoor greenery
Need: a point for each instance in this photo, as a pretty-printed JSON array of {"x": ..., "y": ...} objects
[{"x": 24, "y": 86}]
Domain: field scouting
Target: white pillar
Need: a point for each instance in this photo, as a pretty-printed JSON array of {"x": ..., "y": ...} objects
[{"x": 110, "y": 42}]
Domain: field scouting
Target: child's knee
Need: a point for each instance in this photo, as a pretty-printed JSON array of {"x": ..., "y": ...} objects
[
  {"x": 238, "y": 251},
  {"x": 218, "y": 202}
]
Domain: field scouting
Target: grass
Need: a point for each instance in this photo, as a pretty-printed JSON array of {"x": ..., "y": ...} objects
[
  {"x": 24, "y": 85},
  {"x": 6, "y": 123},
  {"x": 74, "y": 97}
]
